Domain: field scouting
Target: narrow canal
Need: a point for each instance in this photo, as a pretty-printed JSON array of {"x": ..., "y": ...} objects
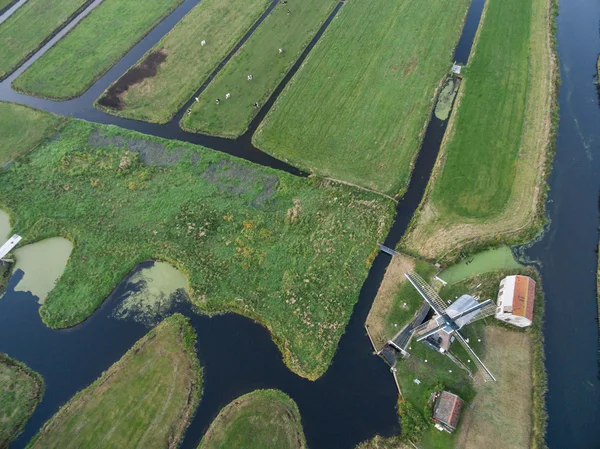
[{"x": 355, "y": 399}]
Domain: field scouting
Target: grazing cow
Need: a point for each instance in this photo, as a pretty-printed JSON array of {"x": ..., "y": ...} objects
[
  {"x": 218, "y": 101},
  {"x": 227, "y": 95},
  {"x": 249, "y": 77},
  {"x": 203, "y": 43}
]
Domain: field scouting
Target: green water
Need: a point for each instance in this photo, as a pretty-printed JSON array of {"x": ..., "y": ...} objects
[
  {"x": 445, "y": 99},
  {"x": 490, "y": 260},
  {"x": 158, "y": 288},
  {"x": 4, "y": 227},
  {"x": 43, "y": 263}
]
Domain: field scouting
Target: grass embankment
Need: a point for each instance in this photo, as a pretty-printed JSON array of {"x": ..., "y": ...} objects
[
  {"x": 384, "y": 443},
  {"x": 488, "y": 182},
  {"x": 27, "y": 29},
  {"x": 5, "y": 3},
  {"x": 397, "y": 301},
  {"x": 146, "y": 399},
  {"x": 291, "y": 253},
  {"x": 262, "y": 419},
  {"x": 166, "y": 77},
  {"x": 260, "y": 58},
  {"x": 21, "y": 389},
  {"x": 92, "y": 47},
  {"x": 356, "y": 110},
  {"x": 23, "y": 128},
  {"x": 515, "y": 356}
]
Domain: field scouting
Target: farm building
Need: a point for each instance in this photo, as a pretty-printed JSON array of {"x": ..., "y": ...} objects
[
  {"x": 446, "y": 411},
  {"x": 515, "y": 300}
]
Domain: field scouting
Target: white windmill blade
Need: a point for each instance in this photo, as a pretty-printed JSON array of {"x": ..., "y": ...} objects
[
  {"x": 426, "y": 329},
  {"x": 427, "y": 292},
  {"x": 477, "y": 311},
  {"x": 487, "y": 374}
]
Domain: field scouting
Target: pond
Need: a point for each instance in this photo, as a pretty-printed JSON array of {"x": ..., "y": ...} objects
[{"x": 500, "y": 258}]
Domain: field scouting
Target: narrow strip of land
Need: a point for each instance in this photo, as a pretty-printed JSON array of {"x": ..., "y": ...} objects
[
  {"x": 27, "y": 28},
  {"x": 21, "y": 389},
  {"x": 289, "y": 28},
  {"x": 92, "y": 47},
  {"x": 263, "y": 419},
  {"x": 146, "y": 399},
  {"x": 488, "y": 179},
  {"x": 166, "y": 77},
  {"x": 356, "y": 109}
]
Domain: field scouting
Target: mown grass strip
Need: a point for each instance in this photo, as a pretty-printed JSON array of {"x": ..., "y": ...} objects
[
  {"x": 23, "y": 128},
  {"x": 21, "y": 389},
  {"x": 166, "y": 77},
  {"x": 28, "y": 28},
  {"x": 146, "y": 399},
  {"x": 290, "y": 27},
  {"x": 263, "y": 419},
  {"x": 487, "y": 185},
  {"x": 92, "y": 47},
  {"x": 291, "y": 253},
  {"x": 356, "y": 109}
]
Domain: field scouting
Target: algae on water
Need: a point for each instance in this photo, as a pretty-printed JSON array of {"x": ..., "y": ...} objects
[
  {"x": 4, "y": 227},
  {"x": 42, "y": 263},
  {"x": 445, "y": 99},
  {"x": 500, "y": 258},
  {"x": 154, "y": 292}
]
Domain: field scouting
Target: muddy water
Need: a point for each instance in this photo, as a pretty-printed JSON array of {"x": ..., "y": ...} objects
[
  {"x": 42, "y": 263},
  {"x": 4, "y": 227},
  {"x": 491, "y": 260},
  {"x": 157, "y": 290}
]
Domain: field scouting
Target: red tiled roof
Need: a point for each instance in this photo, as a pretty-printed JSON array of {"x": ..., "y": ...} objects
[
  {"x": 523, "y": 297},
  {"x": 447, "y": 409}
]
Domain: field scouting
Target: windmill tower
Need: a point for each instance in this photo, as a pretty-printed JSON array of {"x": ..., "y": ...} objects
[{"x": 444, "y": 327}]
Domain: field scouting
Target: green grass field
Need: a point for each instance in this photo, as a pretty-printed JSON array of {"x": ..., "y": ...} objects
[
  {"x": 356, "y": 110},
  {"x": 5, "y": 3},
  {"x": 479, "y": 169},
  {"x": 156, "y": 91},
  {"x": 23, "y": 128},
  {"x": 92, "y": 47},
  {"x": 146, "y": 399},
  {"x": 487, "y": 184},
  {"x": 260, "y": 58},
  {"x": 21, "y": 389},
  {"x": 25, "y": 30},
  {"x": 291, "y": 253},
  {"x": 263, "y": 419}
]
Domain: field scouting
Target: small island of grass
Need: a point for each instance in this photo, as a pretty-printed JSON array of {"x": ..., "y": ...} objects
[
  {"x": 263, "y": 419},
  {"x": 21, "y": 389},
  {"x": 146, "y": 399}
]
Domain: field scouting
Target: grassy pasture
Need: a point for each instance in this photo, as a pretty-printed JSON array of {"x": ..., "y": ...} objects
[
  {"x": 156, "y": 91},
  {"x": 146, "y": 399},
  {"x": 20, "y": 391},
  {"x": 356, "y": 109},
  {"x": 263, "y": 419},
  {"x": 27, "y": 28},
  {"x": 92, "y": 47},
  {"x": 289, "y": 252},
  {"x": 260, "y": 58},
  {"x": 487, "y": 183},
  {"x": 23, "y": 128}
]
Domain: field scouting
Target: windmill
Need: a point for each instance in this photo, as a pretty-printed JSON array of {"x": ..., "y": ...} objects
[{"x": 438, "y": 332}]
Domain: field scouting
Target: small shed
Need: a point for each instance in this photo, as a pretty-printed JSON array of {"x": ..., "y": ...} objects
[
  {"x": 446, "y": 411},
  {"x": 515, "y": 300}
]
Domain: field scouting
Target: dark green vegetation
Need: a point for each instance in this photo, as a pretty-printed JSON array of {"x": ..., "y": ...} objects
[
  {"x": 263, "y": 419},
  {"x": 146, "y": 399},
  {"x": 435, "y": 374},
  {"x": 166, "y": 77},
  {"x": 291, "y": 253},
  {"x": 21, "y": 389},
  {"x": 27, "y": 28},
  {"x": 92, "y": 47},
  {"x": 260, "y": 58},
  {"x": 487, "y": 185},
  {"x": 357, "y": 108},
  {"x": 22, "y": 128}
]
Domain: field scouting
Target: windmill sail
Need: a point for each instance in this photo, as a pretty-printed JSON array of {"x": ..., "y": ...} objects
[
  {"x": 487, "y": 374},
  {"x": 427, "y": 292}
]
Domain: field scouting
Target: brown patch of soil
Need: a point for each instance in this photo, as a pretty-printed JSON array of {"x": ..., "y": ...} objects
[{"x": 145, "y": 69}]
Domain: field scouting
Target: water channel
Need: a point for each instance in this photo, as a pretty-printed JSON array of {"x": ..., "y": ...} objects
[{"x": 355, "y": 399}]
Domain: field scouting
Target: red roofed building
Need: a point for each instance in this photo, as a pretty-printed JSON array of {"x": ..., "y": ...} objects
[
  {"x": 515, "y": 300},
  {"x": 446, "y": 411}
]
